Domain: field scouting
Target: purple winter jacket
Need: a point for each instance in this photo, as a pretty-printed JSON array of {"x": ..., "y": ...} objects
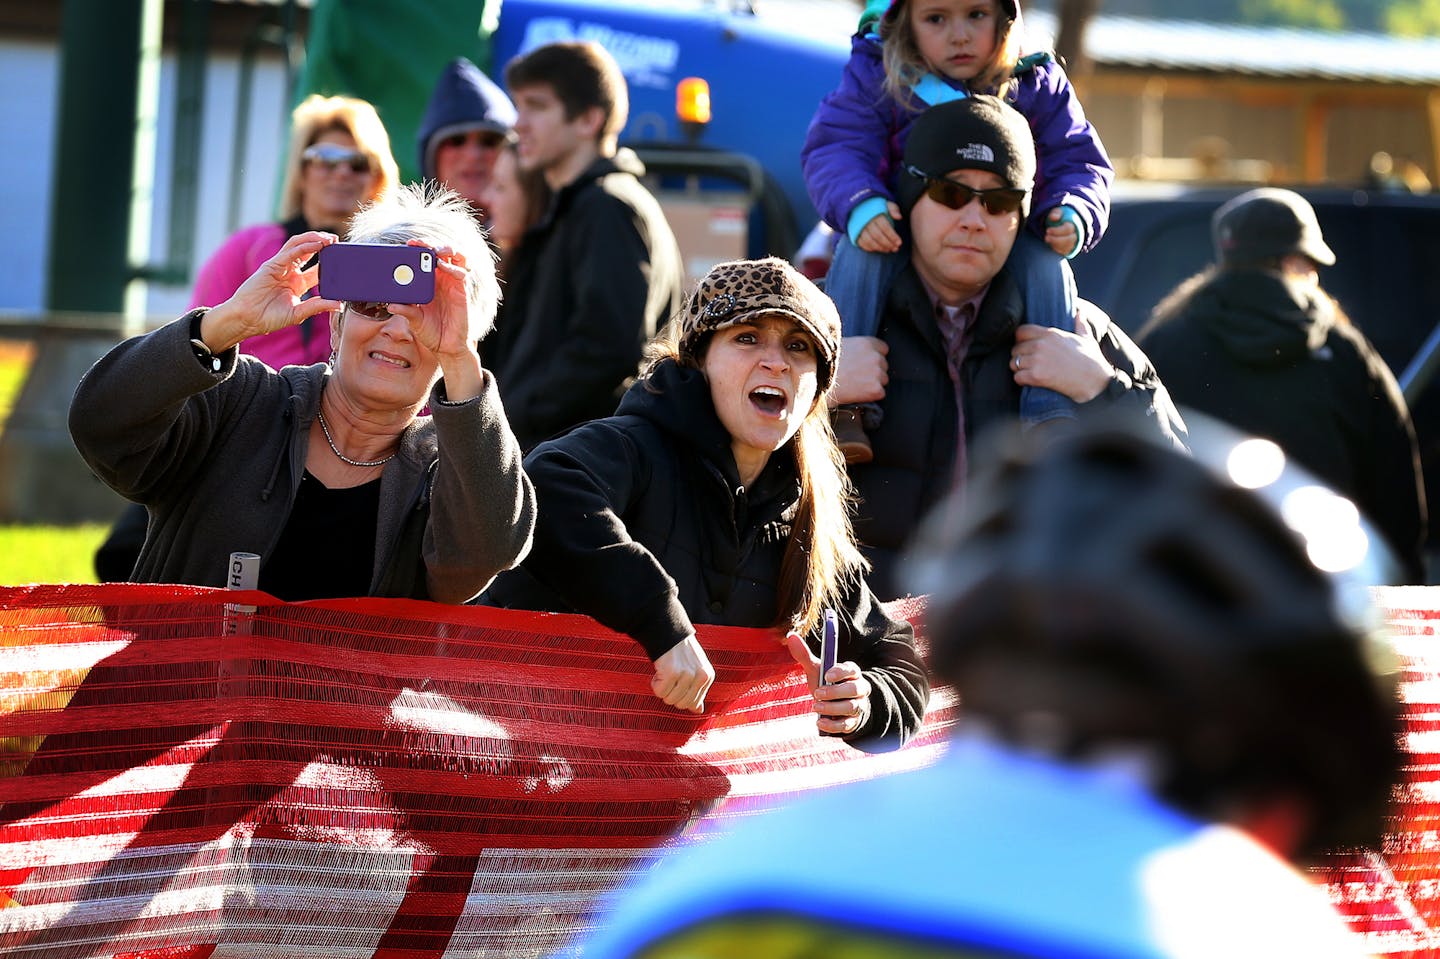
[{"x": 856, "y": 139}]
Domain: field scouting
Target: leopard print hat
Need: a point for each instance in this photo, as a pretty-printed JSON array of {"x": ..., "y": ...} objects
[{"x": 739, "y": 290}]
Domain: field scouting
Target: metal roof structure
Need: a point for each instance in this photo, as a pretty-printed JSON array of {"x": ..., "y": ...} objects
[
  {"x": 1132, "y": 42},
  {"x": 1144, "y": 43}
]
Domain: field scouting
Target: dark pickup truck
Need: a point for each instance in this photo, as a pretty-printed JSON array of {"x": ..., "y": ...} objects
[{"x": 1386, "y": 275}]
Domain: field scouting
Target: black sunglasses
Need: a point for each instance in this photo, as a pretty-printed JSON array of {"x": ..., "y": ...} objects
[
  {"x": 376, "y": 311},
  {"x": 331, "y": 156},
  {"x": 485, "y": 139},
  {"x": 956, "y": 196}
]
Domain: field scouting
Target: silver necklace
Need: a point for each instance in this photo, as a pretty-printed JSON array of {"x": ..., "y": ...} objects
[{"x": 342, "y": 457}]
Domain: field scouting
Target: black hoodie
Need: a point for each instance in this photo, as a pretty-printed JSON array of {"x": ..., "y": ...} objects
[
  {"x": 1278, "y": 360},
  {"x": 642, "y": 523},
  {"x": 464, "y": 99}
]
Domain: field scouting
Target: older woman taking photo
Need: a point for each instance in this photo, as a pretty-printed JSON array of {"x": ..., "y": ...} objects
[
  {"x": 716, "y": 494},
  {"x": 339, "y": 160},
  {"x": 328, "y": 472}
]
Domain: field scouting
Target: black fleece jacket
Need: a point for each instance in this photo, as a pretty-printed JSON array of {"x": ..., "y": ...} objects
[
  {"x": 1276, "y": 360},
  {"x": 643, "y": 524},
  {"x": 915, "y": 446},
  {"x": 590, "y": 285}
]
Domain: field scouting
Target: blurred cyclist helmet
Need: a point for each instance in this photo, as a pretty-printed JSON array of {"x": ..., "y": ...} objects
[{"x": 1107, "y": 592}]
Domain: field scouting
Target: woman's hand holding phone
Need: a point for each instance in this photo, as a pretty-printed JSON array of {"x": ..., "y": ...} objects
[
  {"x": 841, "y": 691},
  {"x": 271, "y": 299}
]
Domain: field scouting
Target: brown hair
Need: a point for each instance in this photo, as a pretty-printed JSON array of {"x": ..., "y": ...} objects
[
  {"x": 904, "y": 64},
  {"x": 532, "y": 183},
  {"x": 317, "y": 115},
  {"x": 583, "y": 75},
  {"x": 1178, "y": 300}
]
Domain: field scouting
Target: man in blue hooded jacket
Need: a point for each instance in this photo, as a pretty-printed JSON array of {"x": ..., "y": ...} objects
[{"x": 468, "y": 119}]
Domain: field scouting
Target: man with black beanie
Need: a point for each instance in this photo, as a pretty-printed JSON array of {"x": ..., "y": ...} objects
[{"x": 953, "y": 349}]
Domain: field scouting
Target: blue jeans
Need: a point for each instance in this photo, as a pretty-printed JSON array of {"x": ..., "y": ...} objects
[
  {"x": 858, "y": 282},
  {"x": 1048, "y": 286}
]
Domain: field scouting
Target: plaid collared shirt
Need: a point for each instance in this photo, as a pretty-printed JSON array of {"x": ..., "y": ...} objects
[{"x": 956, "y": 325}]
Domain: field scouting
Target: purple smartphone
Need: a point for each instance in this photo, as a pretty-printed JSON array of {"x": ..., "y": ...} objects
[
  {"x": 377, "y": 273},
  {"x": 829, "y": 644},
  {"x": 829, "y": 649}
]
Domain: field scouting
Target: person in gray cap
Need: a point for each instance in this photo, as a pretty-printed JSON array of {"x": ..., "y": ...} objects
[
  {"x": 715, "y": 494},
  {"x": 954, "y": 348},
  {"x": 1254, "y": 340},
  {"x": 468, "y": 119}
]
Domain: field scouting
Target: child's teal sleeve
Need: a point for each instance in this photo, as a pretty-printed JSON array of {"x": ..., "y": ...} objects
[
  {"x": 865, "y": 211},
  {"x": 1068, "y": 214},
  {"x": 935, "y": 91}
]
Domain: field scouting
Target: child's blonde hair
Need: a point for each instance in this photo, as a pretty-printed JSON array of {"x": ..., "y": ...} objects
[{"x": 904, "y": 65}]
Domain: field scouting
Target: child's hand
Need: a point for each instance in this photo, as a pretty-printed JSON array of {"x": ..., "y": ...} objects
[
  {"x": 879, "y": 235},
  {"x": 1060, "y": 234}
]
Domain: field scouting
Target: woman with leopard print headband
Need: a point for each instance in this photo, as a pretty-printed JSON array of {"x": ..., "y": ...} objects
[{"x": 716, "y": 494}]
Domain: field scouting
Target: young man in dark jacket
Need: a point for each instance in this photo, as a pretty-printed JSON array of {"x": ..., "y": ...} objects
[
  {"x": 954, "y": 350},
  {"x": 601, "y": 272},
  {"x": 1255, "y": 341}
]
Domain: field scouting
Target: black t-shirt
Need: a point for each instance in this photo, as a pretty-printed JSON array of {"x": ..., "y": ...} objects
[{"x": 327, "y": 549}]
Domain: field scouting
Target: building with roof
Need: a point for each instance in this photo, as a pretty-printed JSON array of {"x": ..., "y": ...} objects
[{"x": 1186, "y": 100}]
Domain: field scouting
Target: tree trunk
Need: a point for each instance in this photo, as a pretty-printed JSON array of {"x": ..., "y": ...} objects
[{"x": 1072, "y": 20}]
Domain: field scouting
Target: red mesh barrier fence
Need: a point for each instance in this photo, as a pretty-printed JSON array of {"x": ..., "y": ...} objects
[
  {"x": 1393, "y": 897},
  {"x": 360, "y": 777},
  {"x": 182, "y": 777}
]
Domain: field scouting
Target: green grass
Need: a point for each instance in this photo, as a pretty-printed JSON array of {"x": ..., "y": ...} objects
[
  {"x": 40, "y": 554},
  {"x": 49, "y": 554}
]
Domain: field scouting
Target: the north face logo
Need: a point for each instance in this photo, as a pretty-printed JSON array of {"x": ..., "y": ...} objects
[{"x": 978, "y": 152}]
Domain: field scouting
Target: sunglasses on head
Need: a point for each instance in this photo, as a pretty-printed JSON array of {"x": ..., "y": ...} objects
[
  {"x": 376, "y": 311},
  {"x": 486, "y": 139},
  {"x": 331, "y": 156},
  {"x": 956, "y": 196}
]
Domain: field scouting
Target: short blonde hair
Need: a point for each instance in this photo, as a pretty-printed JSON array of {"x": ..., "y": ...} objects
[
  {"x": 318, "y": 114},
  {"x": 438, "y": 217}
]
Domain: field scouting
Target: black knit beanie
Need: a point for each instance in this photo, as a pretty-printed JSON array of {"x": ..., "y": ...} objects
[{"x": 976, "y": 133}]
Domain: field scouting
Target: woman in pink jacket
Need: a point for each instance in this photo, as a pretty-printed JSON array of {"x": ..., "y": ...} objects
[{"x": 339, "y": 159}]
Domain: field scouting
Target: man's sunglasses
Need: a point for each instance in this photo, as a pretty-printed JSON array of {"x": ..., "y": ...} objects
[
  {"x": 956, "y": 196},
  {"x": 331, "y": 156},
  {"x": 485, "y": 139},
  {"x": 376, "y": 311}
]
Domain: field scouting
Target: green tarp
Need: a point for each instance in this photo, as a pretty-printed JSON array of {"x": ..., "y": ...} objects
[{"x": 390, "y": 52}]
